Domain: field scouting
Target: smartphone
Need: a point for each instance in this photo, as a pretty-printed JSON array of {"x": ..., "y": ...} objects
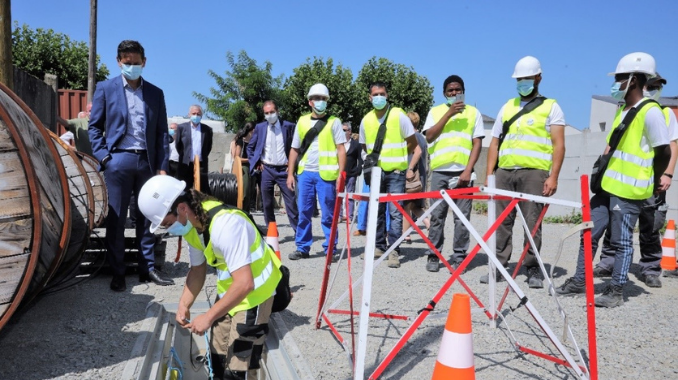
[{"x": 460, "y": 98}]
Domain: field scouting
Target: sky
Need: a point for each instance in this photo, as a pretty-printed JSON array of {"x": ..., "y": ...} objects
[{"x": 578, "y": 42}]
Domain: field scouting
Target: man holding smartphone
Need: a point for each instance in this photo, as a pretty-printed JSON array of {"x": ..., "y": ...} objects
[{"x": 454, "y": 132}]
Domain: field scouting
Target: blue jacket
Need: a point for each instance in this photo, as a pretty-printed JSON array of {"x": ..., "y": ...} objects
[
  {"x": 255, "y": 148},
  {"x": 108, "y": 120}
]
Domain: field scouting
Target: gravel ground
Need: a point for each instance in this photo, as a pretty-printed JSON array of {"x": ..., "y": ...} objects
[{"x": 87, "y": 331}]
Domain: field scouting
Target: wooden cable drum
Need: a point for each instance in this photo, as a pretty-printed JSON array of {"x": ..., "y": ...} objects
[
  {"x": 237, "y": 170},
  {"x": 35, "y": 220},
  {"x": 82, "y": 210},
  {"x": 96, "y": 180},
  {"x": 196, "y": 172}
]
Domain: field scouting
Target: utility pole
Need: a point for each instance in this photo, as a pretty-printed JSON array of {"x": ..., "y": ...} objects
[
  {"x": 6, "y": 68},
  {"x": 92, "y": 69}
]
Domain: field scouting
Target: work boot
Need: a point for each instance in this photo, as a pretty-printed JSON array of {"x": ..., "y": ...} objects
[
  {"x": 296, "y": 255},
  {"x": 613, "y": 296},
  {"x": 485, "y": 279},
  {"x": 535, "y": 279},
  {"x": 671, "y": 273},
  {"x": 456, "y": 263},
  {"x": 601, "y": 272},
  {"x": 377, "y": 254},
  {"x": 571, "y": 287},
  {"x": 393, "y": 260},
  {"x": 652, "y": 280},
  {"x": 432, "y": 263}
]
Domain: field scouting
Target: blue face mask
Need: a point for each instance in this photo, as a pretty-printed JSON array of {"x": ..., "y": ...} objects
[
  {"x": 379, "y": 102},
  {"x": 178, "y": 229},
  {"x": 618, "y": 94},
  {"x": 171, "y": 132},
  {"x": 195, "y": 119},
  {"x": 525, "y": 86},
  {"x": 320, "y": 106},
  {"x": 451, "y": 99},
  {"x": 131, "y": 72}
]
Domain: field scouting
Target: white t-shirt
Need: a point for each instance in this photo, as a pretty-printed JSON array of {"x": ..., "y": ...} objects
[
  {"x": 312, "y": 152},
  {"x": 673, "y": 126},
  {"x": 174, "y": 155},
  {"x": 478, "y": 132},
  {"x": 232, "y": 237},
  {"x": 556, "y": 117},
  {"x": 656, "y": 132},
  {"x": 406, "y": 128}
]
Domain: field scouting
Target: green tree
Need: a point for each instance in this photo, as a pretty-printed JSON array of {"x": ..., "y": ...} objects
[
  {"x": 406, "y": 88},
  {"x": 339, "y": 81},
  {"x": 43, "y": 51},
  {"x": 240, "y": 94}
]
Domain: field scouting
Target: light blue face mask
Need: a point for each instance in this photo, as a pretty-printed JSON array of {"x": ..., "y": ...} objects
[
  {"x": 379, "y": 102},
  {"x": 525, "y": 86},
  {"x": 320, "y": 106},
  {"x": 178, "y": 229},
  {"x": 195, "y": 119},
  {"x": 171, "y": 132},
  {"x": 131, "y": 72},
  {"x": 618, "y": 94},
  {"x": 451, "y": 100}
]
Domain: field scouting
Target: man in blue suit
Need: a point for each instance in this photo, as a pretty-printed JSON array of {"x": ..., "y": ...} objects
[
  {"x": 268, "y": 151},
  {"x": 128, "y": 132}
]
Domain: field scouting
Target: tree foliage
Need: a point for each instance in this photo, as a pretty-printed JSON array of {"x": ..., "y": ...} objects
[
  {"x": 43, "y": 51},
  {"x": 239, "y": 95},
  {"x": 339, "y": 81},
  {"x": 406, "y": 89}
]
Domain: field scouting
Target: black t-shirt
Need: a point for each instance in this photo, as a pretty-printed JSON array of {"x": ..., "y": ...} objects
[{"x": 243, "y": 147}]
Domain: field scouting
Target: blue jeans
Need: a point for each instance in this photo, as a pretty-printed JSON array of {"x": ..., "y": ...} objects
[
  {"x": 619, "y": 215},
  {"x": 393, "y": 183},
  {"x": 363, "y": 206},
  {"x": 308, "y": 185}
]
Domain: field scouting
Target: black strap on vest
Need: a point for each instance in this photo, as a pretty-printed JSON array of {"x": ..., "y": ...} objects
[{"x": 308, "y": 139}]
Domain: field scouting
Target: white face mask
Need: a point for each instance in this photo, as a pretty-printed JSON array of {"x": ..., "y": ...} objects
[
  {"x": 654, "y": 94},
  {"x": 271, "y": 118}
]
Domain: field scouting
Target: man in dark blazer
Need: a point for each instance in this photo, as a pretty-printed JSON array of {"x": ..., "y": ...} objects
[
  {"x": 128, "y": 132},
  {"x": 193, "y": 138},
  {"x": 268, "y": 151}
]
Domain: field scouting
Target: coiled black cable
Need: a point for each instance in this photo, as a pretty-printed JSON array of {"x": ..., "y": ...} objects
[{"x": 224, "y": 187}]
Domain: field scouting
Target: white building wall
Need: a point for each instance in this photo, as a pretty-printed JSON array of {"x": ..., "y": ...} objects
[{"x": 602, "y": 113}]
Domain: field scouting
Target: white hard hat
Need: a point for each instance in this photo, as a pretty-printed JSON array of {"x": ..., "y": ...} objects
[
  {"x": 157, "y": 196},
  {"x": 527, "y": 67},
  {"x": 318, "y": 89},
  {"x": 636, "y": 63}
]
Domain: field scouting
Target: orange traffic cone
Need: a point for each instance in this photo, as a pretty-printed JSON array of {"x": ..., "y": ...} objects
[
  {"x": 669, "y": 247},
  {"x": 455, "y": 358},
  {"x": 272, "y": 238}
]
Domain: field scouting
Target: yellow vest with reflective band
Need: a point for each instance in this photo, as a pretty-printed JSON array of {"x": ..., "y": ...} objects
[
  {"x": 328, "y": 161},
  {"x": 394, "y": 150},
  {"x": 265, "y": 265},
  {"x": 527, "y": 143},
  {"x": 630, "y": 173},
  {"x": 665, "y": 111},
  {"x": 456, "y": 139}
]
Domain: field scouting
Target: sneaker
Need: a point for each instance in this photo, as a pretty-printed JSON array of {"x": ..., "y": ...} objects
[
  {"x": 485, "y": 279},
  {"x": 535, "y": 278},
  {"x": 571, "y": 287},
  {"x": 456, "y": 263},
  {"x": 432, "y": 263},
  {"x": 335, "y": 257},
  {"x": 601, "y": 272},
  {"x": 393, "y": 260},
  {"x": 652, "y": 280},
  {"x": 296, "y": 255},
  {"x": 613, "y": 296},
  {"x": 671, "y": 273},
  {"x": 377, "y": 254}
]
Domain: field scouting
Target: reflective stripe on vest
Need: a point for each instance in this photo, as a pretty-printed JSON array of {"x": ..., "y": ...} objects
[
  {"x": 455, "y": 142},
  {"x": 265, "y": 264},
  {"x": 394, "y": 150},
  {"x": 328, "y": 160},
  {"x": 630, "y": 173},
  {"x": 527, "y": 143}
]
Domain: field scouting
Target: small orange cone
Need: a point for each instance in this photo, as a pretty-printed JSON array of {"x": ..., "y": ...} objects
[
  {"x": 669, "y": 247},
  {"x": 272, "y": 238},
  {"x": 455, "y": 358}
]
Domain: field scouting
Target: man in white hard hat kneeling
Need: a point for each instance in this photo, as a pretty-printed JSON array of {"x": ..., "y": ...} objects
[
  {"x": 248, "y": 272},
  {"x": 525, "y": 155},
  {"x": 631, "y": 176}
]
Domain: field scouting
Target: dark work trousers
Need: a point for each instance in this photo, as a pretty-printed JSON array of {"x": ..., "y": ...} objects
[
  {"x": 651, "y": 220},
  {"x": 270, "y": 176},
  {"x": 619, "y": 216},
  {"x": 528, "y": 181},
  {"x": 436, "y": 233},
  {"x": 124, "y": 175},
  {"x": 394, "y": 183}
]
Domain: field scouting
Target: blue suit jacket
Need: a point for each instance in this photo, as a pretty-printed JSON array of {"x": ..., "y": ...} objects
[
  {"x": 108, "y": 121},
  {"x": 255, "y": 148}
]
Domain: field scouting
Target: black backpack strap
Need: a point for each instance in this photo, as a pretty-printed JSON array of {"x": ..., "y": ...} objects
[
  {"x": 381, "y": 134},
  {"x": 618, "y": 132},
  {"x": 308, "y": 139},
  {"x": 529, "y": 107}
]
